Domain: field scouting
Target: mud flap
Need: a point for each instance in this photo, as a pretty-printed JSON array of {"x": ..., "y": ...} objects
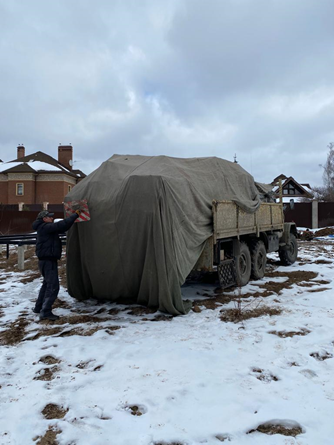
[{"x": 226, "y": 273}]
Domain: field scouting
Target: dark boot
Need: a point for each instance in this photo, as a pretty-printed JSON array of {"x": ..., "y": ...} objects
[{"x": 50, "y": 316}]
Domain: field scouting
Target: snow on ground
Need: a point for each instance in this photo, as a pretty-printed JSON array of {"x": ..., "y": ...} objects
[{"x": 125, "y": 375}]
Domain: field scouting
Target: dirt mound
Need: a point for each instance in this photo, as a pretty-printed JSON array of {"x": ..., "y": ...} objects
[
  {"x": 307, "y": 235},
  {"x": 325, "y": 232}
]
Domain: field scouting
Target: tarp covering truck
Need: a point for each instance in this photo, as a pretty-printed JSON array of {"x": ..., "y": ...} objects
[{"x": 152, "y": 217}]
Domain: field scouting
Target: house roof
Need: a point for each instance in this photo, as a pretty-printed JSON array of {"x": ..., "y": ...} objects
[
  {"x": 27, "y": 167},
  {"x": 306, "y": 191},
  {"x": 281, "y": 176},
  {"x": 38, "y": 162},
  {"x": 79, "y": 173}
]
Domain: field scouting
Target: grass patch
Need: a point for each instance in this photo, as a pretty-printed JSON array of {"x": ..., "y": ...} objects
[
  {"x": 264, "y": 376},
  {"x": 285, "y": 334},
  {"x": 15, "y": 333},
  {"x": 235, "y": 315},
  {"x": 321, "y": 356},
  {"x": 53, "y": 411},
  {"x": 273, "y": 428},
  {"x": 49, "y": 360},
  {"x": 49, "y": 438},
  {"x": 46, "y": 374}
]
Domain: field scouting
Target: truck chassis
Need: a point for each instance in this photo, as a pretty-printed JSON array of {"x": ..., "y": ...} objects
[{"x": 238, "y": 247}]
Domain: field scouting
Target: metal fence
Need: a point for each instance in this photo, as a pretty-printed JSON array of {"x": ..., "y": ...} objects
[
  {"x": 325, "y": 214},
  {"x": 22, "y": 240},
  {"x": 301, "y": 214},
  {"x": 13, "y": 221}
]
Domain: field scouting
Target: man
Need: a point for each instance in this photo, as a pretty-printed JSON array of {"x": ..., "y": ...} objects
[{"x": 48, "y": 251}]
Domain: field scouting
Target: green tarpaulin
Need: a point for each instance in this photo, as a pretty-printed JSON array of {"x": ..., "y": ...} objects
[{"x": 150, "y": 218}]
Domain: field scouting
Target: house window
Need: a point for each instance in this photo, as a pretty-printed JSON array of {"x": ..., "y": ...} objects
[
  {"x": 19, "y": 189},
  {"x": 69, "y": 188},
  {"x": 289, "y": 189}
]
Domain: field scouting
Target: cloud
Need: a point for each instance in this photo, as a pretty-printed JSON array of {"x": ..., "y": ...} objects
[{"x": 180, "y": 78}]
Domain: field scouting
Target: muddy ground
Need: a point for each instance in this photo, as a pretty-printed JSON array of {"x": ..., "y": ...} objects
[{"x": 86, "y": 320}]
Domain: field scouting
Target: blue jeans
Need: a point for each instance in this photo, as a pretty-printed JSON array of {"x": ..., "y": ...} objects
[{"x": 50, "y": 287}]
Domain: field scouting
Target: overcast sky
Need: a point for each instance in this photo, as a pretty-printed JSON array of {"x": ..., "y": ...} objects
[{"x": 184, "y": 78}]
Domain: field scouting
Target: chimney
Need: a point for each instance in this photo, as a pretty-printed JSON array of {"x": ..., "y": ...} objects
[
  {"x": 65, "y": 156},
  {"x": 20, "y": 151}
]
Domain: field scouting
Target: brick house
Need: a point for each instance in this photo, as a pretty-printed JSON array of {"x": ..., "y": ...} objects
[{"x": 38, "y": 178}]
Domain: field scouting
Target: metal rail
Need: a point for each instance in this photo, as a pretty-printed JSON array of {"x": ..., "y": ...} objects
[{"x": 24, "y": 240}]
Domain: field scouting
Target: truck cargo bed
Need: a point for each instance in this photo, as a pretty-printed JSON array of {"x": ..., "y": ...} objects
[{"x": 229, "y": 220}]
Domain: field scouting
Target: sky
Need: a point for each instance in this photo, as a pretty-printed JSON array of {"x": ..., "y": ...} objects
[{"x": 183, "y": 78}]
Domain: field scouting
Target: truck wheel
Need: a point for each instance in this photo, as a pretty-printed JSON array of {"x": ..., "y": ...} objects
[
  {"x": 289, "y": 256},
  {"x": 259, "y": 259},
  {"x": 243, "y": 265}
]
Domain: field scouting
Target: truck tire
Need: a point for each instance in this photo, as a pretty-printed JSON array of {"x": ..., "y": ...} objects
[
  {"x": 289, "y": 256},
  {"x": 259, "y": 259},
  {"x": 243, "y": 265}
]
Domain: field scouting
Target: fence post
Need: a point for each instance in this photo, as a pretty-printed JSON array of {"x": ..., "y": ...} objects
[
  {"x": 20, "y": 257},
  {"x": 315, "y": 220}
]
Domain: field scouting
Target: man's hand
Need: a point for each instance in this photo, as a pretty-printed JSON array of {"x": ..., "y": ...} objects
[{"x": 78, "y": 212}]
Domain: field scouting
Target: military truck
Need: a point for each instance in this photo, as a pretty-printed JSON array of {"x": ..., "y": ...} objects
[
  {"x": 238, "y": 248},
  {"x": 151, "y": 217}
]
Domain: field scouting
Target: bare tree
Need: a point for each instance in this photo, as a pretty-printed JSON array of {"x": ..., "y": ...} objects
[
  {"x": 328, "y": 175},
  {"x": 326, "y": 192}
]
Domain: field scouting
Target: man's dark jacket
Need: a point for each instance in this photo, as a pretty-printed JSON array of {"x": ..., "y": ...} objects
[{"x": 48, "y": 246}]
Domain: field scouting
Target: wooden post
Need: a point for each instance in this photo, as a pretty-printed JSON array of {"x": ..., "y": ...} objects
[
  {"x": 280, "y": 191},
  {"x": 20, "y": 257}
]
